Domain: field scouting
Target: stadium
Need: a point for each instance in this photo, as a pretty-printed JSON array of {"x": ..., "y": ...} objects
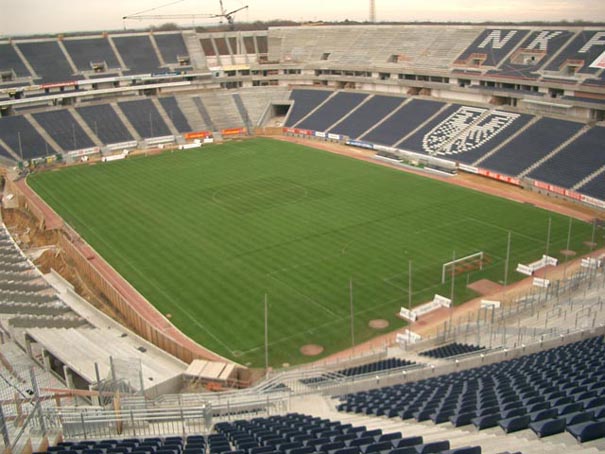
[{"x": 339, "y": 239}]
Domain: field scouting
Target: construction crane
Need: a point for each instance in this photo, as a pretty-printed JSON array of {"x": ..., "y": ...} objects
[{"x": 224, "y": 14}]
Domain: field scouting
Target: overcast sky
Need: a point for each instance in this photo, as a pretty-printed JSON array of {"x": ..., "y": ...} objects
[{"x": 19, "y": 17}]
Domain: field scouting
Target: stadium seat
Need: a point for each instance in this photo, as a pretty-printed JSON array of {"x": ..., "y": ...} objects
[
  {"x": 548, "y": 427},
  {"x": 586, "y": 431}
]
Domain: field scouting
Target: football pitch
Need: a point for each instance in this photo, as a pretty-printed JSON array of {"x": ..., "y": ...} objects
[{"x": 205, "y": 234}]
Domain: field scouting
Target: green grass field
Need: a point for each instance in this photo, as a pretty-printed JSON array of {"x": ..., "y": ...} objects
[{"x": 204, "y": 234}]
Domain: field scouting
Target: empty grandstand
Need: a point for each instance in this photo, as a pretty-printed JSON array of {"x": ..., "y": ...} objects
[{"x": 523, "y": 105}]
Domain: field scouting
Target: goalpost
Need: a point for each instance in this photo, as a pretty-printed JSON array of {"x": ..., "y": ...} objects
[{"x": 468, "y": 259}]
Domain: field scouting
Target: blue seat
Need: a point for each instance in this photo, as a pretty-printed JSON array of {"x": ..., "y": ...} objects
[
  {"x": 371, "y": 433},
  {"x": 306, "y": 450},
  {"x": 389, "y": 436},
  {"x": 578, "y": 417},
  {"x": 266, "y": 449},
  {"x": 587, "y": 431},
  {"x": 593, "y": 402},
  {"x": 404, "y": 450},
  {"x": 285, "y": 447},
  {"x": 537, "y": 406},
  {"x": 514, "y": 412},
  {"x": 331, "y": 447},
  {"x": 340, "y": 437},
  {"x": 377, "y": 447},
  {"x": 354, "y": 450},
  {"x": 548, "y": 427},
  {"x": 406, "y": 442},
  {"x": 464, "y": 450},
  {"x": 541, "y": 415},
  {"x": 568, "y": 408},
  {"x": 462, "y": 419},
  {"x": 433, "y": 447},
  {"x": 485, "y": 422},
  {"x": 357, "y": 442},
  {"x": 515, "y": 423}
]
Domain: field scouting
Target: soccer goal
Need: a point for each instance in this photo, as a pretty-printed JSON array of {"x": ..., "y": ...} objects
[{"x": 463, "y": 264}]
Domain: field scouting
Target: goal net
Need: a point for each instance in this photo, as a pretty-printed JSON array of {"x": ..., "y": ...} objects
[{"x": 462, "y": 265}]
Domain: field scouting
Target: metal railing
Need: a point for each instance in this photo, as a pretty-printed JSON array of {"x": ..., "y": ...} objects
[{"x": 574, "y": 303}]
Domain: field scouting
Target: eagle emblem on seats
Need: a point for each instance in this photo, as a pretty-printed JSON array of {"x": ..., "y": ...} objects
[{"x": 468, "y": 128}]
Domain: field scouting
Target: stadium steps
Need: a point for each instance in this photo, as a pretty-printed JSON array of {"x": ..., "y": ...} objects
[
  {"x": 589, "y": 178},
  {"x": 194, "y": 48},
  {"x": 538, "y": 163},
  {"x": 26, "y": 63},
  {"x": 223, "y": 111},
  {"x": 327, "y": 100},
  {"x": 201, "y": 108},
  {"x": 133, "y": 132},
  {"x": 492, "y": 441},
  {"x": 258, "y": 100},
  {"x": 510, "y": 138},
  {"x": 154, "y": 44},
  {"x": 117, "y": 53},
  {"x": 419, "y": 127},
  {"x": 40, "y": 130},
  {"x": 9, "y": 149},
  {"x": 239, "y": 103},
  {"x": 47, "y": 321},
  {"x": 344, "y": 117},
  {"x": 158, "y": 105},
  {"x": 191, "y": 112},
  {"x": 385, "y": 118},
  {"x": 89, "y": 132},
  {"x": 70, "y": 61}
]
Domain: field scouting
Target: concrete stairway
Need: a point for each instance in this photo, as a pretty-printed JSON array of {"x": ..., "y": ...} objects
[
  {"x": 54, "y": 145},
  {"x": 89, "y": 132},
  {"x": 165, "y": 117},
  {"x": 133, "y": 132},
  {"x": 192, "y": 113},
  {"x": 196, "y": 53}
]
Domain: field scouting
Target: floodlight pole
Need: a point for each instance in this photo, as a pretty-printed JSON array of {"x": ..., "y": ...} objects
[
  {"x": 452, "y": 291},
  {"x": 568, "y": 239},
  {"x": 266, "y": 336},
  {"x": 352, "y": 312},
  {"x": 507, "y": 260},
  {"x": 410, "y": 285},
  {"x": 548, "y": 235},
  {"x": 20, "y": 145}
]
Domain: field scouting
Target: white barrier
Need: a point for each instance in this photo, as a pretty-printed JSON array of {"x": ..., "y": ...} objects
[
  {"x": 524, "y": 269},
  {"x": 159, "y": 140},
  {"x": 189, "y": 146},
  {"x": 591, "y": 263},
  {"x": 115, "y": 157},
  {"x": 529, "y": 269},
  {"x": 542, "y": 283},
  {"x": 438, "y": 301},
  {"x": 83, "y": 152},
  {"x": 122, "y": 145},
  {"x": 408, "y": 337},
  {"x": 208, "y": 140},
  {"x": 489, "y": 304},
  {"x": 407, "y": 314},
  {"x": 442, "y": 300}
]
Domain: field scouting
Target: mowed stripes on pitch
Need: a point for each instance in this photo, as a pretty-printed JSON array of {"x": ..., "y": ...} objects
[{"x": 204, "y": 234}]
